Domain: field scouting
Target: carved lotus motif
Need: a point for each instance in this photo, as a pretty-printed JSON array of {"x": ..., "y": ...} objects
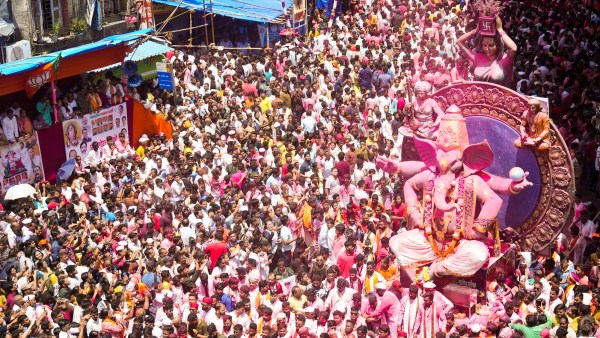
[
  {"x": 557, "y": 156},
  {"x": 561, "y": 198},
  {"x": 528, "y": 243},
  {"x": 554, "y": 217},
  {"x": 561, "y": 176},
  {"x": 475, "y": 94},
  {"x": 455, "y": 96},
  {"x": 514, "y": 104},
  {"x": 494, "y": 97}
]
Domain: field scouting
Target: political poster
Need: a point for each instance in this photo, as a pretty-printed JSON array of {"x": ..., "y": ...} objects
[
  {"x": 299, "y": 7},
  {"x": 79, "y": 134},
  {"x": 21, "y": 162}
]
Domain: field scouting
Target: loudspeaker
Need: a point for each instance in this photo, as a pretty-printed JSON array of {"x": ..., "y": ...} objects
[
  {"x": 130, "y": 67},
  {"x": 134, "y": 80}
]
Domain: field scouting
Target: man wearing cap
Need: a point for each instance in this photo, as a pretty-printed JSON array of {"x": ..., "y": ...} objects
[
  {"x": 387, "y": 308},
  {"x": 143, "y": 144},
  {"x": 206, "y": 309},
  {"x": 310, "y": 322},
  {"x": 438, "y": 298}
]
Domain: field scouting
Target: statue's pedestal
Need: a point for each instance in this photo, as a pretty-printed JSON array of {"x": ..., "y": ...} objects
[
  {"x": 464, "y": 291},
  {"x": 463, "y": 297}
]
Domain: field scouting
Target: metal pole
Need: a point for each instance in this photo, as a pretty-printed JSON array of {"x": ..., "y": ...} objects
[
  {"x": 53, "y": 85},
  {"x": 175, "y": 88},
  {"x": 306, "y": 28},
  {"x": 268, "y": 39},
  {"x": 205, "y": 25},
  {"x": 212, "y": 23},
  {"x": 191, "y": 25}
]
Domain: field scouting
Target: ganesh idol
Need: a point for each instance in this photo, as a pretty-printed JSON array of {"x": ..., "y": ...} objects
[{"x": 452, "y": 203}]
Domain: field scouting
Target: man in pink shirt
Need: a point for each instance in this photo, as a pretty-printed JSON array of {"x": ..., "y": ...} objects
[
  {"x": 123, "y": 147},
  {"x": 346, "y": 259},
  {"x": 338, "y": 242},
  {"x": 388, "y": 309},
  {"x": 239, "y": 177}
]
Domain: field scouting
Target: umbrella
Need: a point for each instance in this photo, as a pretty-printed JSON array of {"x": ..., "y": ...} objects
[
  {"x": 66, "y": 170},
  {"x": 19, "y": 191},
  {"x": 286, "y": 32}
]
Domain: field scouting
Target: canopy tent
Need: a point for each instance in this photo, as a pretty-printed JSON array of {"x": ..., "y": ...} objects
[
  {"x": 75, "y": 60},
  {"x": 265, "y": 11},
  {"x": 144, "y": 51}
]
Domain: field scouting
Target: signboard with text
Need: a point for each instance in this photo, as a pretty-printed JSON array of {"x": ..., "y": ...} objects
[
  {"x": 79, "y": 134},
  {"x": 21, "y": 162},
  {"x": 165, "y": 76}
]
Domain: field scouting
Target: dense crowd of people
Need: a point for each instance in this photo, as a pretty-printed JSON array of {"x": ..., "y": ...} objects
[{"x": 266, "y": 215}]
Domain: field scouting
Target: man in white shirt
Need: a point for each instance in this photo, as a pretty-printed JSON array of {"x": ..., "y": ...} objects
[
  {"x": 187, "y": 231},
  {"x": 93, "y": 156},
  {"x": 10, "y": 126},
  {"x": 309, "y": 123},
  {"x": 586, "y": 226},
  {"x": 286, "y": 243},
  {"x": 332, "y": 181},
  {"x": 339, "y": 297},
  {"x": 109, "y": 148}
]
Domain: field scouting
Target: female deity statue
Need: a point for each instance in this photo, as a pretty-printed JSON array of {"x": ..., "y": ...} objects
[{"x": 491, "y": 62}]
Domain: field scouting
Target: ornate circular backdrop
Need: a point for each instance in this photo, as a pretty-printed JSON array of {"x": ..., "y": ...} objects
[{"x": 493, "y": 112}]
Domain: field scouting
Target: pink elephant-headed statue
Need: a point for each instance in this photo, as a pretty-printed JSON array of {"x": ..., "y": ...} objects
[{"x": 452, "y": 203}]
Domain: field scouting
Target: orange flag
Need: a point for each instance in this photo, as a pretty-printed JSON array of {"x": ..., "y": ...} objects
[{"x": 41, "y": 76}]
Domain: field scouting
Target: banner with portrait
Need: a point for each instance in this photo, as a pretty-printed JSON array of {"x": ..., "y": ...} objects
[
  {"x": 79, "y": 134},
  {"x": 21, "y": 162}
]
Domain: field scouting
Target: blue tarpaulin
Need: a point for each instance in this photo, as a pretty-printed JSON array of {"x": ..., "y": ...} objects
[
  {"x": 145, "y": 51},
  {"x": 25, "y": 65},
  {"x": 250, "y": 10}
]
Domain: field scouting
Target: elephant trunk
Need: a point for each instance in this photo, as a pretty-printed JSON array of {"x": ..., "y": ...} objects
[{"x": 442, "y": 184}]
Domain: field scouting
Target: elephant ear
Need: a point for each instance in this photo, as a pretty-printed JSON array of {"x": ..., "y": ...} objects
[
  {"x": 427, "y": 152},
  {"x": 477, "y": 157}
]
